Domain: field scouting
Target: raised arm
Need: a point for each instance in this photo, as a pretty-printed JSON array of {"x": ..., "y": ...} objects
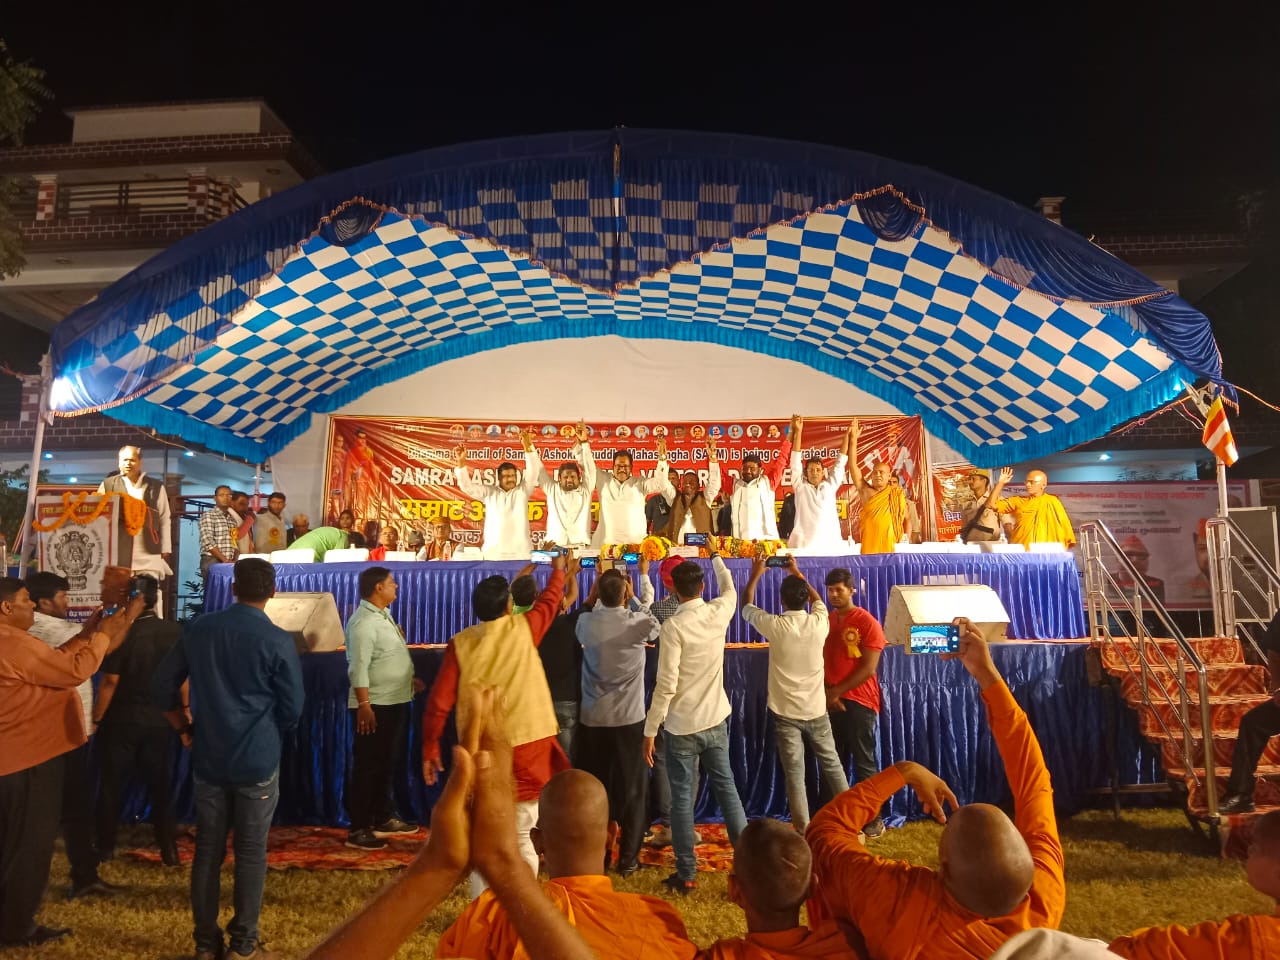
[
  {"x": 660, "y": 482},
  {"x": 467, "y": 483},
  {"x": 757, "y": 571},
  {"x": 1006, "y": 474},
  {"x": 855, "y": 466},
  {"x": 532, "y": 463},
  {"x": 586, "y": 461},
  {"x": 774, "y": 472},
  {"x": 711, "y": 489}
]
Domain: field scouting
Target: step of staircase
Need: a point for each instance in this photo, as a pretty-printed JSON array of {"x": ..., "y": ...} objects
[
  {"x": 1211, "y": 650},
  {"x": 1224, "y": 715},
  {"x": 1223, "y": 680},
  {"x": 1266, "y": 789},
  {"x": 1223, "y": 750}
]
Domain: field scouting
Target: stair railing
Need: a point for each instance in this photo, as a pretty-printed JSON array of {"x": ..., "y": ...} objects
[
  {"x": 1106, "y": 599},
  {"x": 1228, "y": 547}
]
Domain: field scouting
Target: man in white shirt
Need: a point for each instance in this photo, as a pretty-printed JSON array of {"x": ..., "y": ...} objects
[
  {"x": 568, "y": 493},
  {"x": 817, "y": 524},
  {"x": 506, "y": 506},
  {"x": 691, "y": 508},
  {"x": 752, "y": 501},
  {"x": 797, "y": 691},
  {"x": 269, "y": 528},
  {"x": 622, "y": 497},
  {"x": 689, "y": 699},
  {"x": 150, "y": 547}
]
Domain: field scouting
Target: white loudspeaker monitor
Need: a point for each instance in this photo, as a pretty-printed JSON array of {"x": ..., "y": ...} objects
[
  {"x": 911, "y": 604},
  {"x": 312, "y": 619}
]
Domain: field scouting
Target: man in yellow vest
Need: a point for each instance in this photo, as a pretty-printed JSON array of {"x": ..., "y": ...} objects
[{"x": 502, "y": 650}]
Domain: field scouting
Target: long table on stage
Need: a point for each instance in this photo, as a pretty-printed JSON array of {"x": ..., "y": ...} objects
[
  {"x": 1040, "y": 591},
  {"x": 930, "y": 710}
]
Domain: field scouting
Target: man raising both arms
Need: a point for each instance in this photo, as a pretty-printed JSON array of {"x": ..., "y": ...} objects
[
  {"x": 569, "y": 494},
  {"x": 506, "y": 506},
  {"x": 884, "y": 506},
  {"x": 1038, "y": 517},
  {"x": 817, "y": 523},
  {"x": 752, "y": 498},
  {"x": 622, "y": 497}
]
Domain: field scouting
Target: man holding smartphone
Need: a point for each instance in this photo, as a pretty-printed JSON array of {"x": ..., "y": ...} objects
[
  {"x": 851, "y": 656},
  {"x": 797, "y": 697}
]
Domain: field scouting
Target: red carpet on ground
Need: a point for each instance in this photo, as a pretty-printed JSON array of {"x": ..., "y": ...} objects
[{"x": 324, "y": 848}]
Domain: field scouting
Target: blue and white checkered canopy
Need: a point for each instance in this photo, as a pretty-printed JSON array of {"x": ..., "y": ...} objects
[{"x": 1010, "y": 335}]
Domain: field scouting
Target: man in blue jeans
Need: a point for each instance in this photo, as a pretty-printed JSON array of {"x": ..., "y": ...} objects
[
  {"x": 246, "y": 693},
  {"x": 797, "y": 697},
  {"x": 689, "y": 699}
]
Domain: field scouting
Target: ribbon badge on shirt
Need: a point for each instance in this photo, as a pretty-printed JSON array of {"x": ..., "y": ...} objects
[{"x": 853, "y": 643}]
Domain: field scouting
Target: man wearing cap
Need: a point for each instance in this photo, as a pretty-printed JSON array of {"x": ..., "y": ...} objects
[{"x": 981, "y": 522}]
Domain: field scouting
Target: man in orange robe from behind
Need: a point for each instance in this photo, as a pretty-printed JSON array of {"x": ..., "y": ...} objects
[
  {"x": 996, "y": 877},
  {"x": 1239, "y": 937},
  {"x": 771, "y": 877},
  {"x": 573, "y": 834}
]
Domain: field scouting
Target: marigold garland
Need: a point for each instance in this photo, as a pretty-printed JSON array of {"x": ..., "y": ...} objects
[{"x": 135, "y": 511}]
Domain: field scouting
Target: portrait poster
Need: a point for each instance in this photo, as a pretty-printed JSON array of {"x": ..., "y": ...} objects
[
  {"x": 400, "y": 470},
  {"x": 77, "y": 530},
  {"x": 1159, "y": 526}
]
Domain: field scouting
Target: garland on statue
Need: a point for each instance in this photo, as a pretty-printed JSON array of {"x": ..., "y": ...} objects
[{"x": 135, "y": 511}]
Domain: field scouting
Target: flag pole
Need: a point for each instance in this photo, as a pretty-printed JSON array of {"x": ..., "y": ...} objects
[{"x": 1222, "y": 488}]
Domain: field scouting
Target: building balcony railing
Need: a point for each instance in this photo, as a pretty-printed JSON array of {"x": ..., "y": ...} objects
[{"x": 114, "y": 197}]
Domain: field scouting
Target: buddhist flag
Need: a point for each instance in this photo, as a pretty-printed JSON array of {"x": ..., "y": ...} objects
[{"x": 1217, "y": 434}]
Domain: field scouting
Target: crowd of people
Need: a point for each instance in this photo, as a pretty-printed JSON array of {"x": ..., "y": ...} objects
[
  {"x": 584, "y": 725},
  {"x": 669, "y": 503}
]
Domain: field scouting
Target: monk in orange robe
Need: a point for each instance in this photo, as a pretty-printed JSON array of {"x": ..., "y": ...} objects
[
  {"x": 1240, "y": 937},
  {"x": 885, "y": 514},
  {"x": 573, "y": 835},
  {"x": 771, "y": 877},
  {"x": 996, "y": 877},
  {"x": 1038, "y": 517}
]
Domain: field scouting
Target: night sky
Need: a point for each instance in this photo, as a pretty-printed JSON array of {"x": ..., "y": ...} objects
[{"x": 1115, "y": 115}]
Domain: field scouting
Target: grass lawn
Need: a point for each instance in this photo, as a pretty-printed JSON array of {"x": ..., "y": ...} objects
[{"x": 1148, "y": 868}]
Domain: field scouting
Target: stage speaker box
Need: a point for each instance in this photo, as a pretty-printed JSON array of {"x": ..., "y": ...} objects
[
  {"x": 911, "y": 604},
  {"x": 311, "y": 618}
]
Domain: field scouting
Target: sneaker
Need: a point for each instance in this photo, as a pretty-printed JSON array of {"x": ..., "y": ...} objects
[
  {"x": 259, "y": 953},
  {"x": 682, "y": 887},
  {"x": 365, "y": 839},
  {"x": 394, "y": 827},
  {"x": 874, "y": 830},
  {"x": 1236, "y": 803},
  {"x": 95, "y": 888},
  {"x": 627, "y": 869}
]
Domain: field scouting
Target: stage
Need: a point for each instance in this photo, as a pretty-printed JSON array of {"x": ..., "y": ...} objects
[
  {"x": 930, "y": 712},
  {"x": 1040, "y": 591}
]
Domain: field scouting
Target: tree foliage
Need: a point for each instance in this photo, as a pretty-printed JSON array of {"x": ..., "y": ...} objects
[{"x": 22, "y": 93}]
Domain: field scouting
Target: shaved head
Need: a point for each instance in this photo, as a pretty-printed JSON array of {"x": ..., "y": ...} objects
[
  {"x": 772, "y": 868},
  {"x": 986, "y": 866},
  {"x": 573, "y": 824}
]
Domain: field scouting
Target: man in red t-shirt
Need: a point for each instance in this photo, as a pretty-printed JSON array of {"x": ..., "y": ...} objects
[{"x": 850, "y": 657}]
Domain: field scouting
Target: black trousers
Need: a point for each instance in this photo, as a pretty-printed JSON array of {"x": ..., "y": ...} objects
[
  {"x": 123, "y": 748},
  {"x": 854, "y": 731},
  {"x": 614, "y": 755},
  {"x": 1256, "y": 727},
  {"x": 30, "y": 807},
  {"x": 374, "y": 757},
  {"x": 77, "y": 817}
]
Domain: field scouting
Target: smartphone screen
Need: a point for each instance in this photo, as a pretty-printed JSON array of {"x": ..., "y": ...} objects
[
  {"x": 695, "y": 539},
  {"x": 777, "y": 561},
  {"x": 934, "y": 638},
  {"x": 543, "y": 556},
  {"x": 631, "y": 558},
  {"x": 585, "y": 562}
]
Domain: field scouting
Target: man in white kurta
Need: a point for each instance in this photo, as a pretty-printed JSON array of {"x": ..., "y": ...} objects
[
  {"x": 568, "y": 493},
  {"x": 622, "y": 497},
  {"x": 150, "y": 549},
  {"x": 817, "y": 525},
  {"x": 506, "y": 506},
  {"x": 752, "y": 499}
]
